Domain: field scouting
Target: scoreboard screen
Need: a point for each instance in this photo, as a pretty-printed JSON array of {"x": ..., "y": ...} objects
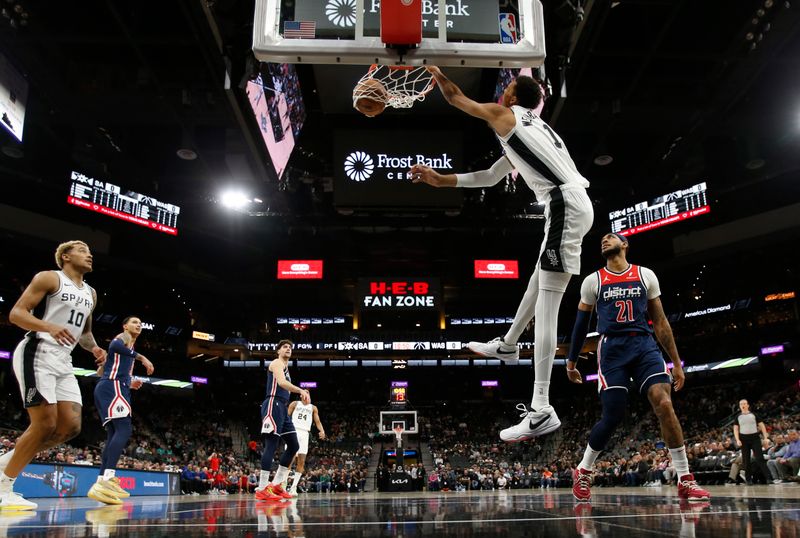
[
  {"x": 109, "y": 199},
  {"x": 666, "y": 209},
  {"x": 398, "y": 393}
]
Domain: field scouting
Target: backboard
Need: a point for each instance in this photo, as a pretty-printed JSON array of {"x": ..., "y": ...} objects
[
  {"x": 465, "y": 33},
  {"x": 390, "y": 419}
]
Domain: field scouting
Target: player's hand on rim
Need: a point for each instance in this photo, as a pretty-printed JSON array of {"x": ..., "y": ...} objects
[{"x": 61, "y": 335}]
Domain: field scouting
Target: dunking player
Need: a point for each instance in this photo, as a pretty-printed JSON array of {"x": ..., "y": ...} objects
[
  {"x": 277, "y": 425},
  {"x": 112, "y": 398},
  {"x": 625, "y": 296},
  {"x": 541, "y": 157},
  {"x": 302, "y": 416},
  {"x": 56, "y": 310}
]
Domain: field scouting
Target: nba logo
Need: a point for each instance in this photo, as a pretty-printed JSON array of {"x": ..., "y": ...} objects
[{"x": 508, "y": 28}]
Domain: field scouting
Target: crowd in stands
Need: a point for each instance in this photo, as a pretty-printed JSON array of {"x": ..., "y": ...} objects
[{"x": 462, "y": 440}]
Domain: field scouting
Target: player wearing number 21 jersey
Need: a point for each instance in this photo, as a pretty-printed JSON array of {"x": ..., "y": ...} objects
[{"x": 629, "y": 359}]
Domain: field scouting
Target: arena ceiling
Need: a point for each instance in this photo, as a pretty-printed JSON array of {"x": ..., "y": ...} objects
[{"x": 676, "y": 92}]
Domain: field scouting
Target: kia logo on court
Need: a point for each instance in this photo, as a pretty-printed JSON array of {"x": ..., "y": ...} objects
[
  {"x": 341, "y": 12},
  {"x": 359, "y": 166}
]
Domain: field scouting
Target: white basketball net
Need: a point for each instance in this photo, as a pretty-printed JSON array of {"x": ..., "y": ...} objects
[{"x": 404, "y": 85}]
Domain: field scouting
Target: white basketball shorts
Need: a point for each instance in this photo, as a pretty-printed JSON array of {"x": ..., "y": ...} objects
[{"x": 44, "y": 373}]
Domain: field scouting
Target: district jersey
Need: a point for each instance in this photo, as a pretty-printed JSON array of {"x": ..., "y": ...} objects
[
  {"x": 302, "y": 416},
  {"x": 70, "y": 306},
  {"x": 540, "y": 155},
  {"x": 621, "y": 298},
  {"x": 119, "y": 363},
  {"x": 273, "y": 389}
]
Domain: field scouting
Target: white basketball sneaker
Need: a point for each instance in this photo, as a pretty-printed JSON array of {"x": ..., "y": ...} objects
[
  {"x": 533, "y": 424},
  {"x": 496, "y": 348},
  {"x": 14, "y": 501}
]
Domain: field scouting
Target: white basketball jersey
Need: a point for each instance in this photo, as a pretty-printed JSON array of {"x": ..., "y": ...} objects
[
  {"x": 539, "y": 154},
  {"x": 70, "y": 307},
  {"x": 302, "y": 416}
]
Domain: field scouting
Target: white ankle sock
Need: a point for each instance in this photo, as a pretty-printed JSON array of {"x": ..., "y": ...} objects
[
  {"x": 679, "y": 461},
  {"x": 280, "y": 475},
  {"x": 296, "y": 480},
  {"x": 109, "y": 473},
  {"x": 263, "y": 479},
  {"x": 589, "y": 457},
  {"x": 6, "y": 484}
]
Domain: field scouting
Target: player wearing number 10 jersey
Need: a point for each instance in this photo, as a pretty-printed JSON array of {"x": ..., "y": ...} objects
[
  {"x": 628, "y": 358},
  {"x": 56, "y": 310}
]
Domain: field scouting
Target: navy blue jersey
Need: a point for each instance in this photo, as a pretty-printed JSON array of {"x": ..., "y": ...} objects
[
  {"x": 622, "y": 302},
  {"x": 273, "y": 389},
  {"x": 119, "y": 363}
]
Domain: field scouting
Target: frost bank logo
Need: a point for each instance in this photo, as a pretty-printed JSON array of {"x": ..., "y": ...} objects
[
  {"x": 359, "y": 166},
  {"x": 341, "y": 12}
]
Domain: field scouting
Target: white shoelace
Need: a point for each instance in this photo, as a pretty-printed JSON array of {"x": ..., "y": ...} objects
[{"x": 524, "y": 408}]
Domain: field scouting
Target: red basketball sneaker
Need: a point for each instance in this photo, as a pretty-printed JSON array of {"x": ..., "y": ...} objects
[
  {"x": 582, "y": 485},
  {"x": 690, "y": 491},
  {"x": 277, "y": 489},
  {"x": 267, "y": 495}
]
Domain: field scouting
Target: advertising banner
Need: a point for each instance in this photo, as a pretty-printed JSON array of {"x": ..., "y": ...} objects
[{"x": 56, "y": 480}]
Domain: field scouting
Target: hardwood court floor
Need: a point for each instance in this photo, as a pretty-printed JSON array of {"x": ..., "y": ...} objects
[{"x": 617, "y": 512}]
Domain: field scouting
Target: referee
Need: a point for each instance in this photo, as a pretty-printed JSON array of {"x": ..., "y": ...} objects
[{"x": 746, "y": 433}]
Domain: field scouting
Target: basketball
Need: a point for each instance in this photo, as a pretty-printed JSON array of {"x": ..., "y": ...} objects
[{"x": 369, "y": 97}]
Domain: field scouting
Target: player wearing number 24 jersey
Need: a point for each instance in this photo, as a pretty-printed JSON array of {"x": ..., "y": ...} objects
[{"x": 56, "y": 310}]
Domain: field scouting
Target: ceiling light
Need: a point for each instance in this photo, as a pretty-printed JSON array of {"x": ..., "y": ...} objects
[{"x": 234, "y": 199}]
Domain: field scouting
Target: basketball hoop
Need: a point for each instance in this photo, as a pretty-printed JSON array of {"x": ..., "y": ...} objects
[{"x": 395, "y": 86}]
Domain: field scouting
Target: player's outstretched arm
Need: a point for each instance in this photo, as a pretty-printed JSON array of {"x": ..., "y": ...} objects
[
  {"x": 490, "y": 112},
  {"x": 484, "y": 178},
  {"x": 664, "y": 336}
]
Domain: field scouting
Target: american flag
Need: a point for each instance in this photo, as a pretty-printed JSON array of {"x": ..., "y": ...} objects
[{"x": 299, "y": 29}]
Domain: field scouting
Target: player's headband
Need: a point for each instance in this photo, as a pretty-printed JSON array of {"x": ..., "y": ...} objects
[{"x": 619, "y": 236}]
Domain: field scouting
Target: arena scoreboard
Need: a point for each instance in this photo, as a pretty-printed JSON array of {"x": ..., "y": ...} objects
[
  {"x": 666, "y": 209},
  {"x": 109, "y": 199}
]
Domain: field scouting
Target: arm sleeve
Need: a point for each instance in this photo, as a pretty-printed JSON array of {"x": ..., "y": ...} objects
[
  {"x": 118, "y": 347},
  {"x": 579, "y": 334},
  {"x": 589, "y": 289},
  {"x": 486, "y": 178},
  {"x": 651, "y": 281}
]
